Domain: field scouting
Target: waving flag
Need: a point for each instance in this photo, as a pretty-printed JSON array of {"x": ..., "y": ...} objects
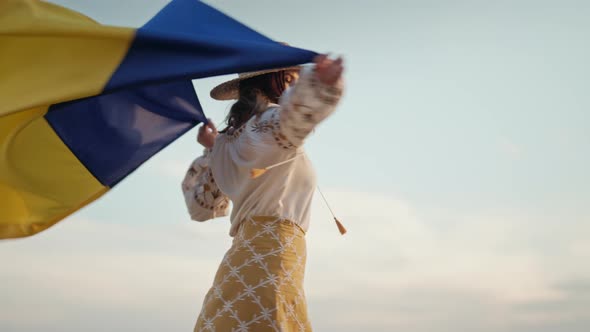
[{"x": 82, "y": 105}]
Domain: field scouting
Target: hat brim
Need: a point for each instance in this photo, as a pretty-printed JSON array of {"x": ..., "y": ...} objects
[{"x": 230, "y": 90}]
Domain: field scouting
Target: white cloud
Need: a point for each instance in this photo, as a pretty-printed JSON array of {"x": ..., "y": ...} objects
[
  {"x": 82, "y": 267},
  {"x": 395, "y": 269},
  {"x": 391, "y": 254}
]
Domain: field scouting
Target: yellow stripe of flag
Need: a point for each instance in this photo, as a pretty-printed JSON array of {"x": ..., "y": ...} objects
[{"x": 34, "y": 34}]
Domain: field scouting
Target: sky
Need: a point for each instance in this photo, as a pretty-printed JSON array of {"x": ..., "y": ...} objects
[{"x": 457, "y": 159}]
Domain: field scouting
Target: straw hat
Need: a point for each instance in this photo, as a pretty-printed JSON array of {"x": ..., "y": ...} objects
[{"x": 230, "y": 89}]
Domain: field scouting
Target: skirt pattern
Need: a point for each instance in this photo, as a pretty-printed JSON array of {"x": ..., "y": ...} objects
[{"x": 259, "y": 284}]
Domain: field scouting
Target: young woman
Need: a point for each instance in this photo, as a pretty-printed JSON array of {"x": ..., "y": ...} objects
[{"x": 258, "y": 163}]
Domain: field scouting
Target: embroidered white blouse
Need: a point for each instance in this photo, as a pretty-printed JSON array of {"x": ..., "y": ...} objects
[{"x": 222, "y": 174}]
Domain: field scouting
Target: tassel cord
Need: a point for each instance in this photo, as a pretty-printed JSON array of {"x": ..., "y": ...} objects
[
  {"x": 256, "y": 172},
  {"x": 326, "y": 201},
  {"x": 282, "y": 162}
]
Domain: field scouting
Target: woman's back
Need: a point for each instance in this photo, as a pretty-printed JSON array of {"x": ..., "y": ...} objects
[
  {"x": 266, "y": 139},
  {"x": 262, "y": 168},
  {"x": 284, "y": 191}
]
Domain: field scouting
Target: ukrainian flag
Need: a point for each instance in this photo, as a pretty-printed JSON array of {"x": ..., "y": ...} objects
[{"x": 82, "y": 105}]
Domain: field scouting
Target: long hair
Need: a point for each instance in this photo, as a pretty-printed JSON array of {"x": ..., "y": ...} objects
[{"x": 254, "y": 96}]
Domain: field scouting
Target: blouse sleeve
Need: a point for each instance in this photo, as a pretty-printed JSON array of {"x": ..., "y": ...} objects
[
  {"x": 276, "y": 134},
  {"x": 304, "y": 106},
  {"x": 203, "y": 198}
]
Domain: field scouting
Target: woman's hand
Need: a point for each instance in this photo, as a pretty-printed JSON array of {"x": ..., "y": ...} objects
[
  {"x": 327, "y": 70},
  {"x": 207, "y": 134}
]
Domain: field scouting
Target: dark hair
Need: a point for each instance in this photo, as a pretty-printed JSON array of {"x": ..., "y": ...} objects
[{"x": 254, "y": 96}]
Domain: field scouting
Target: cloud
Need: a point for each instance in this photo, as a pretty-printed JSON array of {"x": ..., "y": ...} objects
[
  {"x": 395, "y": 269},
  {"x": 471, "y": 271},
  {"x": 75, "y": 274}
]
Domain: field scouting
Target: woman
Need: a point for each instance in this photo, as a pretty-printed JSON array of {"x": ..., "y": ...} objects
[{"x": 259, "y": 284}]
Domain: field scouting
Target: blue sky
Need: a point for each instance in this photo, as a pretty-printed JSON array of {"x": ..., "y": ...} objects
[{"x": 457, "y": 159}]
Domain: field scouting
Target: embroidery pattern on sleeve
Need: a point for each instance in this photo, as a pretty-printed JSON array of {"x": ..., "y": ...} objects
[
  {"x": 263, "y": 126},
  {"x": 329, "y": 95},
  {"x": 277, "y": 133},
  {"x": 208, "y": 195},
  {"x": 235, "y": 134}
]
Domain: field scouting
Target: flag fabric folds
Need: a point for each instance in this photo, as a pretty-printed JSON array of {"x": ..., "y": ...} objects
[{"x": 82, "y": 105}]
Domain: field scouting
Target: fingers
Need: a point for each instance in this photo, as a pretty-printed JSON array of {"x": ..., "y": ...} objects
[
  {"x": 328, "y": 70},
  {"x": 208, "y": 127},
  {"x": 202, "y": 130},
  {"x": 336, "y": 67},
  {"x": 319, "y": 59},
  {"x": 321, "y": 62},
  {"x": 211, "y": 126},
  {"x": 207, "y": 134}
]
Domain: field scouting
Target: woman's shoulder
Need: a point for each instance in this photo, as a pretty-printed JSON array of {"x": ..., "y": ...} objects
[
  {"x": 263, "y": 122},
  {"x": 263, "y": 128},
  {"x": 267, "y": 127},
  {"x": 257, "y": 123},
  {"x": 232, "y": 134}
]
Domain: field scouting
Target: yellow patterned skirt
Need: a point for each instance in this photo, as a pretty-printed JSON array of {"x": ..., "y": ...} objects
[{"x": 259, "y": 284}]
